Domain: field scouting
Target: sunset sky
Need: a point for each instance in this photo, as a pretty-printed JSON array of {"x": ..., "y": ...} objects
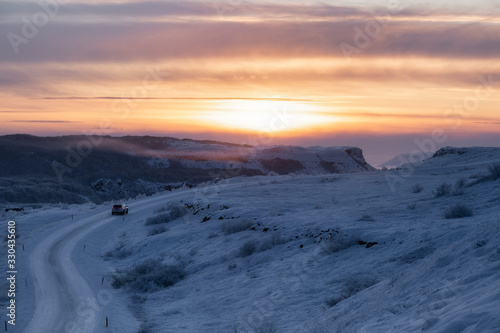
[{"x": 381, "y": 75}]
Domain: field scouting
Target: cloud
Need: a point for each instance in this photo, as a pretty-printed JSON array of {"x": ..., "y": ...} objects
[
  {"x": 175, "y": 9},
  {"x": 43, "y": 121},
  {"x": 180, "y": 98},
  {"x": 308, "y": 31},
  {"x": 487, "y": 122}
]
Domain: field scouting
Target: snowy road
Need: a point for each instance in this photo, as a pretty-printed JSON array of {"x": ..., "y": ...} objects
[
  {"x": 59, "y": 287},
  {"x": 65, "y": 300}
]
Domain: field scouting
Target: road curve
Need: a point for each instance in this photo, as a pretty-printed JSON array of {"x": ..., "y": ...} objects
[
  {"x": 64, "y": 300},
  {"x": 60, "y": 290}
]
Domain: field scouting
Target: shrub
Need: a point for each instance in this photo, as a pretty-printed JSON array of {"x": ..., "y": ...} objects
[
  {"x": 277, "y": 239},
  {"x": 174, "y": 213},
  {"x": 354, "y": 285},
  {"x": 494, "y": 171},
  {"x": 232, "y": 227},
  {"x": 150, "y": 275},
  {"x": 442, "y": 190},
  {"x": 248, "y": 248},
  {"x": 328, "y": 179},
  {"x": 459, "y": 186},
  {"x": 351, "y": 287},
  {"x": 274, "y": 240},
  {"x": 338, "y": 243},
  {"x": 458, "y": 211},
  {"x": 157, "y": 230},
  {"x": 494, "y": 174},
  {"x": 461, "y": 182},
  {"x": 411, "y": 206},
  {"x": 120, "y": 252},
  {"x": 417, "y": 188},
  {"x": 367, "y": 218},
  {"x": 417, "y": 254}
]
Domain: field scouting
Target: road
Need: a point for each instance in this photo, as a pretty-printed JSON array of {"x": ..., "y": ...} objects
[{"x": 65, "y": 299}]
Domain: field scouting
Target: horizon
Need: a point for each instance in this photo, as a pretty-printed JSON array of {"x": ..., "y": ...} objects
[
  {"x": 387, "y": 78},
  {"x": 378, "y": 159}
]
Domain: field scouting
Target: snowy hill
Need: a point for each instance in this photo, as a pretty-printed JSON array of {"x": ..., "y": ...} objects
[
  {"x": 405, "y": 158},
  {"x": 304, "y": 253},
  {"x": 76, "y": 169},
  {"x": 466, "y": 157}
]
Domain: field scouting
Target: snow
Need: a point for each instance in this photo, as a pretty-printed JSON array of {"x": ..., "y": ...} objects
[
  {"x": 311, "y": 159},
  {"x": 308, "y": 272},
  {"x": 401, "y": 159}
]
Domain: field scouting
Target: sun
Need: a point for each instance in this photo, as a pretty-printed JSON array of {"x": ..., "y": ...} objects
[{"x": 264, "y": 115}]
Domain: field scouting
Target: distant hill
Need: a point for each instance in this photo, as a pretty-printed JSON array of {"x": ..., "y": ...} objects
[
  {"x": 80, "y": 168},
  {"x": 406, "y": 158},
  {"x": 463, "y": 157}
]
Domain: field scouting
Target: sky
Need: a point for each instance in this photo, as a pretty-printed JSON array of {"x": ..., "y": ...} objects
[{"x": 389, "y": 76}]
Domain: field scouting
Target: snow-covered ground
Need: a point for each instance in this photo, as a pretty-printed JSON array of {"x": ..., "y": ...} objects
[{"x": 334, "y": 253}]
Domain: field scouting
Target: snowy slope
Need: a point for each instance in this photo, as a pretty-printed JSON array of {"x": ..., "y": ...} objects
[
  {"x": 327, "y": 253},
  {"x": 405, "y": 158},
  {"x": 463, "y": 157}
]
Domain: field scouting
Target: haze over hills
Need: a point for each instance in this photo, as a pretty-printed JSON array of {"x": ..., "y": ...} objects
[{"x": 75, "y": 169}]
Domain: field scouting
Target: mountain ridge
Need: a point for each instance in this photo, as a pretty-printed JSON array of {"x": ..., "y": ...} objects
[{"x": 99, "y": 168}]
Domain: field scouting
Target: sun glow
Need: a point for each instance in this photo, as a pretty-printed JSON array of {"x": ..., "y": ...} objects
[{"x": 266, "y": 115}]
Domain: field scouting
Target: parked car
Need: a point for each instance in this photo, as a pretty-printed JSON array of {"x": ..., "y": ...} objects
[{"x": 119, "y": 209}]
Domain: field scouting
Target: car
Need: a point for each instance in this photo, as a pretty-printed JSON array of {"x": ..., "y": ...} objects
[{"x": 119, "y": 209}]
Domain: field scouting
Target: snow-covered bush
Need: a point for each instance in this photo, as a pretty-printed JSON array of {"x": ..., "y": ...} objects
[
  {"x": 442, "y": 190},
  {"x": 351, "y": 286},
  {"x": 366, "y": 218},
  {"x": 339, "y": 242},
  {"x": 167, "y": 207},
  {"x": 150, "y": 275},
  {"x": 274, "y": 240},
  {"x": 329, "y": 179},
  {"x": 248, "y": 248},
  {"x": 417, "y": 188},
  {"x": 120, "y": 252},
  {"x": 494, "y": 174},
  {"x": 459, "y": 186},
  {"x": 458, "y": 211},
  {"x": 174, "y": 213},
  {"x": 494, "y": 171},
  {"x": 411, "y": 206},
  {"x": 232, "y": 227},
  {"x": 157, "y": 230}
]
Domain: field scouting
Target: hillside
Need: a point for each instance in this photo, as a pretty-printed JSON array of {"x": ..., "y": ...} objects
[
  {"x": 405, "y": 158},
  {"x": 306, "y": 253},
  {"x": 76, "y": 169}
]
